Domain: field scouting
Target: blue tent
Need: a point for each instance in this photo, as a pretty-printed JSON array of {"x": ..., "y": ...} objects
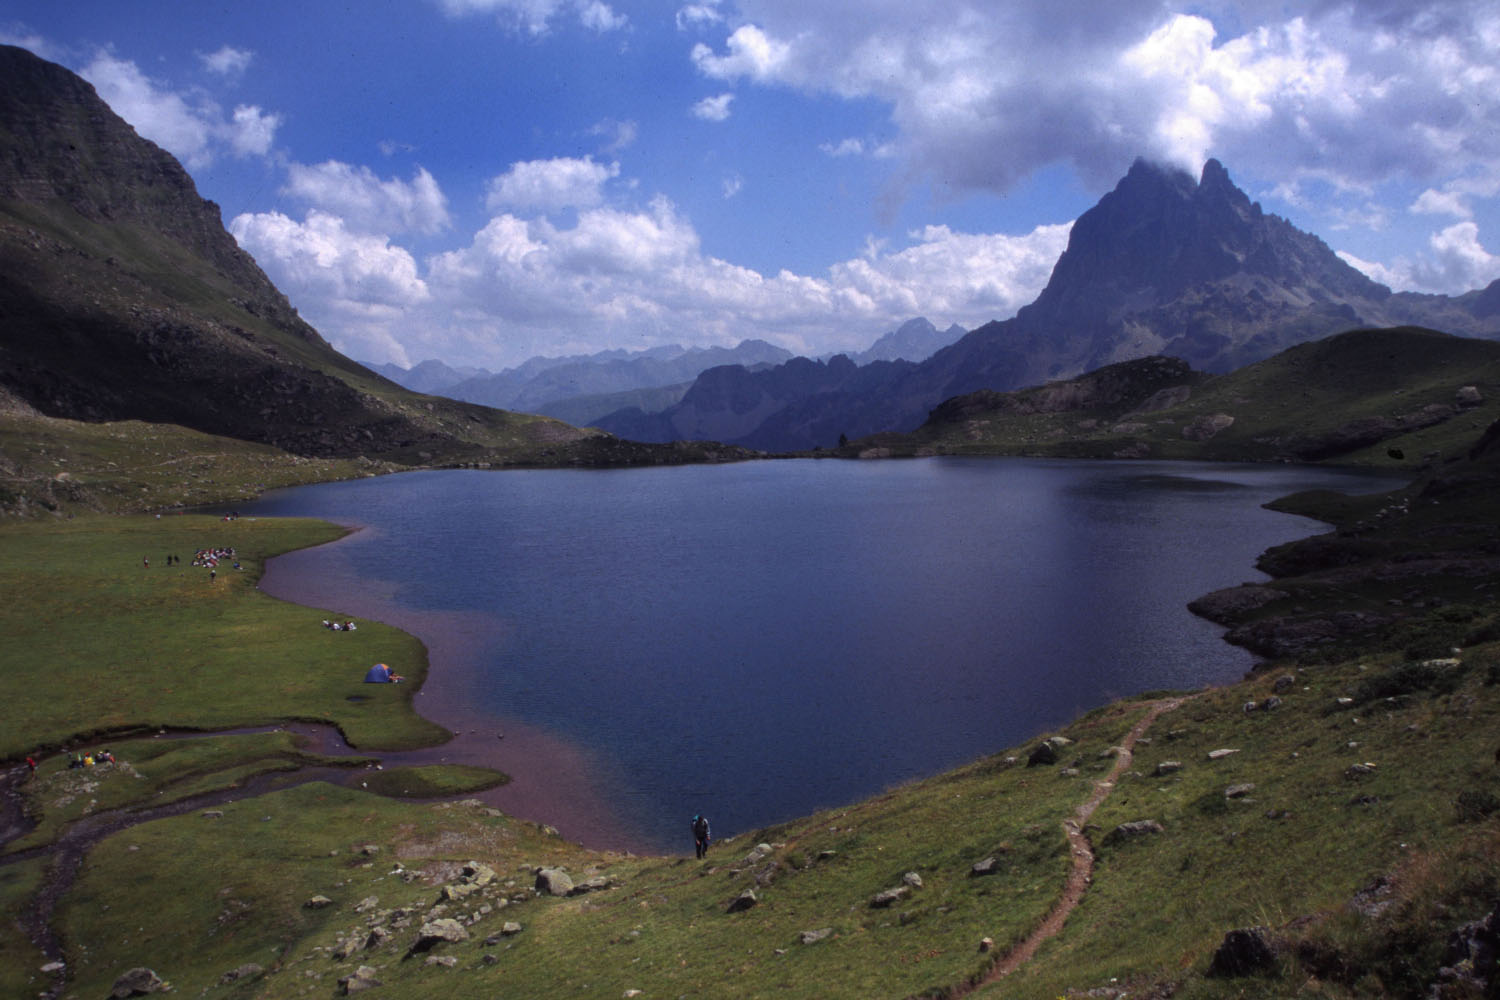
[{"x": 378, "y": 674}]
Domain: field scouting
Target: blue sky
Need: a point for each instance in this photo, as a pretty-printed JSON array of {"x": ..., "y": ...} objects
[{"x": 482, "y": 181}]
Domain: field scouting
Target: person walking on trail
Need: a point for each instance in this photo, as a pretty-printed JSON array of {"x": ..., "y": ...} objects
[{"x": 700, "y": 834}]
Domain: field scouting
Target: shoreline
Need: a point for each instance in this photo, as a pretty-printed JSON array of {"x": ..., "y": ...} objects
[{"x": 552, "y": 782}]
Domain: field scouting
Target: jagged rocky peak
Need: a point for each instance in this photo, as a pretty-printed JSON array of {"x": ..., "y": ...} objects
[{"x": 1159, "y": 233}]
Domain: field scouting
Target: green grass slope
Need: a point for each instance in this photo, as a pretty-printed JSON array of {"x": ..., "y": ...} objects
[
  {"x": 1346, "y": 805},
  {"x": 1391, "y": 398}
]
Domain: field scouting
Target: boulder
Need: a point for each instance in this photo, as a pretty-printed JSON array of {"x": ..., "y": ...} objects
[
  {"x": 1220, "y": 754},
  {"x": 988, "y": 866},
  {"x": 362, "y": 978},
  {"x": 912, "y": 879},
  {"x": 553, "y": 882},
  {"x": 435, "y": 932},
  {"x": 318, "y": 902},
  {"x": 594, "y": 884},
  {"x": 1239, "y": 791},
  {"x": 448, "y": 961},
  {"x": 137, "y": 982},
  {"x": 475, "y": 873},
  {"x": 346, "y": 948},
  {"x": 1042, "y": 755},
  {"x": 758, "y": 854},
  {"x": 743, "y": 901},
  {"x": 1133, "y": 829},
  {"x": 1284, "y": 683},
  {"x": 813, "y": 937},
  {"x": 454, "y": 891},
  {"x": 1167, "y": 767},
  {"x": 881, "y": 900},
  {"x": 247, "y": 971},
  {"x": 1243, "y": 952},
  {"x": 510, "y": 929}
]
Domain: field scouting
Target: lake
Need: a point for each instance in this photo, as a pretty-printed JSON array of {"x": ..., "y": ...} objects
[{"x": 760, "y": 640}]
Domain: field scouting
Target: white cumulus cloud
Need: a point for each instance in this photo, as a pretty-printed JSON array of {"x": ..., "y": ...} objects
[
  {"x": 713, "y": 109},
  {"x": 191, "y": 127},
  {"x": 627, "y": 277},
  {"x": 1456, "y": 262},
  {"x": 1353, "y": 94},
  {"x": 357, "y": 289},
  {"x": 365, "y": 202},
  {"x": 228, "y": 61},
  {"x": 549, "y": 185}
]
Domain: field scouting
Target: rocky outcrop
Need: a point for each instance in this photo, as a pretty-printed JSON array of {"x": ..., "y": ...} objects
[{"x": 137, "y": 982}]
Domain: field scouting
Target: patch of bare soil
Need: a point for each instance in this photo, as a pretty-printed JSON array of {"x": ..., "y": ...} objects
[{"x": 1082, "y": 872}]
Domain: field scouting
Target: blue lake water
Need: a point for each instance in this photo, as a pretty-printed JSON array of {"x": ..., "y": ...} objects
[{"x": 760, "y": 640}]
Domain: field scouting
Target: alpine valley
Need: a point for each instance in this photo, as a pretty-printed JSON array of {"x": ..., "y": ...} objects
[{"x": 1328, "y": 826}]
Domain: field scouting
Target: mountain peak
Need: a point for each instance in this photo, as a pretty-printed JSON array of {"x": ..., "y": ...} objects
[{"x": 1214, "y": 175}]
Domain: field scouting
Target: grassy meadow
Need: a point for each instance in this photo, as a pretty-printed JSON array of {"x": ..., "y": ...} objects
[{"x": 100, "y": 643}]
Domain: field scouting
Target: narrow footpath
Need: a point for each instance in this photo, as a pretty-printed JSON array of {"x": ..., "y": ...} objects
[{"x": 1082, "y": 873}]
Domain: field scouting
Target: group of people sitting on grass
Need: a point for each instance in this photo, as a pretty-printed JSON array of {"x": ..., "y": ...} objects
[
  {"x": 210, "y": 557},
  {"x": 338, "y": 626},
  {"x": 88, "y": 759}
]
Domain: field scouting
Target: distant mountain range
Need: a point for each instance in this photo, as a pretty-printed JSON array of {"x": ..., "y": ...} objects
[
  {"x": 582, "y": 388},
  {"x": 585, "y": 386},
  {"x": 1163, "y": 264}
]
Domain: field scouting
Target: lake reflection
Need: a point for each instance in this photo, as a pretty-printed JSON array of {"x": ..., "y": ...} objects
[{"x": 760, "y": 640}]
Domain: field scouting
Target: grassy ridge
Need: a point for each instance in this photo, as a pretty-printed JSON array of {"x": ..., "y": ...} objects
[
  {"x": 49, "y": 465},
  {"x": 1359, "y": 398}
]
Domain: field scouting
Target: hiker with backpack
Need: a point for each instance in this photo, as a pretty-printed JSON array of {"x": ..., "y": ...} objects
[{"x": 700, "y": 834}]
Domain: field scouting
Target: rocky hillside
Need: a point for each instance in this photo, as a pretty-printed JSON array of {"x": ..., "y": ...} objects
[{"x": 123, "y": 298}]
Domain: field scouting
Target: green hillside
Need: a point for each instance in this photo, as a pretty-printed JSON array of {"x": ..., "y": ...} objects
[{"x": 1392, "y": 398}]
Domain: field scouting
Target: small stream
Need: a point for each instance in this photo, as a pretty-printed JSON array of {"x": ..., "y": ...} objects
[{"x": 65, "y": 855}]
